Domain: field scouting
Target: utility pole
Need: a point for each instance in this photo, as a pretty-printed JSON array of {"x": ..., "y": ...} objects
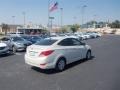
[
  {"x": 61, "y": 9},
  {"x": 48, "y": 25},
  {"x": 13, "y": 20},
  {"x": 83, "y": 13},
  {"x": 24, "y": 19},
  {"x": 51, "y": 23},
  {"x": 94, "y": 25}
]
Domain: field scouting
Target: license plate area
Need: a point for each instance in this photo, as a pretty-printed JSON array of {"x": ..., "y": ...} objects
[{"x": 32, "y": 53}]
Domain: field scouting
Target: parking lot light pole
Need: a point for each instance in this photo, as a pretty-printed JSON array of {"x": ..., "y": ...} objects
[
  {"x": 94, "y": 19},
  {"x": 83, "y": 13},
  {"x": 61, "y": 9},
  {"x": 24, "y": 19},
  {"x": 48, "y": 25},
  {"x": 51, "y": 23},
  {"x": 13, "y": 20}
]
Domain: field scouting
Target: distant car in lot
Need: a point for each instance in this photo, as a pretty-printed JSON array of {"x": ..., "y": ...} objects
[
  {"x": 31, "y": 38},
  {"x": 16, "y": 34},
  {"x": 4, "y": 49},
  {"x": 16, "y": 43},
  {"x": 93, "y": 34},
  {"x": 56, "y": 52}
]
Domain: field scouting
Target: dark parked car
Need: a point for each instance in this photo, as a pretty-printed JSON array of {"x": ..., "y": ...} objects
[{"x": 32, "y": 38}]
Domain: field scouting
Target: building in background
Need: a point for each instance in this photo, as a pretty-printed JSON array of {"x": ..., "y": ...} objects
[
  {"x": 28, "y": 29},
  {"x": 9, "y": 28}
]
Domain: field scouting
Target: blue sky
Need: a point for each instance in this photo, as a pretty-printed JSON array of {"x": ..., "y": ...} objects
[{"x": 37, "y": 11}]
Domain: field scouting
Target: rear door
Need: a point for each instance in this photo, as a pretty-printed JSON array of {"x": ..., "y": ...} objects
[
  {"x": 80, "y": 49},
  {"x": 69, "y": 50}
]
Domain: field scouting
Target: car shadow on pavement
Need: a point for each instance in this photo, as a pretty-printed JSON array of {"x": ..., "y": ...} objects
[
  {"x": 5, "y": 55},
  {"x": 52, "y": 71},
  {"x": 78, "y": 62},
  {"x": 46, "y": 71}
]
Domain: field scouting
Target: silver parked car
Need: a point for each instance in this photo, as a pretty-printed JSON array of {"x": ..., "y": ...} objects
[
  {"x": 16, "y": 43},
  {"x": 4, "y": 49}
]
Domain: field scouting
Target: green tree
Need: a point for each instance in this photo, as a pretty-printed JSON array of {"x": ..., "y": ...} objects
[
  {"x": 115, "y": 24},
  {"x": 75, "y": 27},
  {"x": 64, "y": 29},
  {"x": 5, "y": 28}
]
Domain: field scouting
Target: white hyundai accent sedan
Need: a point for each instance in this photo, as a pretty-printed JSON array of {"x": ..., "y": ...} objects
[{"x": 56, "y": 52}]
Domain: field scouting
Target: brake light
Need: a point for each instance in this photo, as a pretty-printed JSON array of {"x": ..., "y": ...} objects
[
  {"x": 46, "y": 53},
  {"x": 43, "y": 64}
]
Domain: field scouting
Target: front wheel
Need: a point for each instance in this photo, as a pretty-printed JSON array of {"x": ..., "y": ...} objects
[
  {"x": 14, "y": 50},
  {"x": 60, "y": 66},
  {"x": 88, "y": 55}
]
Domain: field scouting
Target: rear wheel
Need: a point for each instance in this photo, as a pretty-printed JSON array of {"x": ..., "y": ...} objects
[
  {"x": 88, "y": 55},
  {"x": 60, "y": 66}
]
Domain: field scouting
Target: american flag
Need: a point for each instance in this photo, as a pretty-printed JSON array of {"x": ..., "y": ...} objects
[{"x": 54, "y": 7}]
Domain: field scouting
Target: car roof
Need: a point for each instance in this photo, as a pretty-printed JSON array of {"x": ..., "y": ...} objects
[{"x": 59, "y": 38}]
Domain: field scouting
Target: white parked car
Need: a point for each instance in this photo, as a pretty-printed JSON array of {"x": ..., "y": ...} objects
[
  {"x": 56, "y": 53},
  {"x": 4, "y": 49}
]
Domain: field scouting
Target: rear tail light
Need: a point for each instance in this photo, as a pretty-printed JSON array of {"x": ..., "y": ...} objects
[
  {"x": 43, "y": 64},
  {"x": 46, "y": 53}
]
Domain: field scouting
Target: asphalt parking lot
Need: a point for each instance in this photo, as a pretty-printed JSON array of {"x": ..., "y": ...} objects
[{"x": 102, "y": 72}]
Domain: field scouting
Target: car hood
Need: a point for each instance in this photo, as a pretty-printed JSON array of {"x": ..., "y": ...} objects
[{"x": 22, "y": 42}]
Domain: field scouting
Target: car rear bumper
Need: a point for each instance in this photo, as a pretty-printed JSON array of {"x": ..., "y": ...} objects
[{"x": 39, "y": 62}]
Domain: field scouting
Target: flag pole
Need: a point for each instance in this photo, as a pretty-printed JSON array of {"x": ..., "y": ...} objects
[
  {"x": 48, "y": 16},
  {"x": 61, "y": 17}
]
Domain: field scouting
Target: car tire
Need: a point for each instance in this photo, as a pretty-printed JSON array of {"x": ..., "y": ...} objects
[
  {"x": 14, "y": 50},
  {"x": 61, "y": 63},
  {"x": 88, "y": 55}
]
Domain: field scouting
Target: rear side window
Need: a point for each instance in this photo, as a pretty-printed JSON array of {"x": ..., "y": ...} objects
[
  {"x": 69, "y": 42},
  {"x": 46, "y": 42},
  {"x": 66, "y": 42}
]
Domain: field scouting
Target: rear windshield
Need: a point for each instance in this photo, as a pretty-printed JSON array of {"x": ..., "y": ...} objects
[{"x": 46, "y": 42}]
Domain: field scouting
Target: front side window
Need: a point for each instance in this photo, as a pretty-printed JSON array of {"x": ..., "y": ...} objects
[{"x": 17, "y": 39}]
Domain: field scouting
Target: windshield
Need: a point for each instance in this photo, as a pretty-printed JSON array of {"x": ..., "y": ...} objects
[
  {"x": 17, "y": 39},
  {"x": 46, "y": 42},
  {"x": 35, "y": 37}
]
